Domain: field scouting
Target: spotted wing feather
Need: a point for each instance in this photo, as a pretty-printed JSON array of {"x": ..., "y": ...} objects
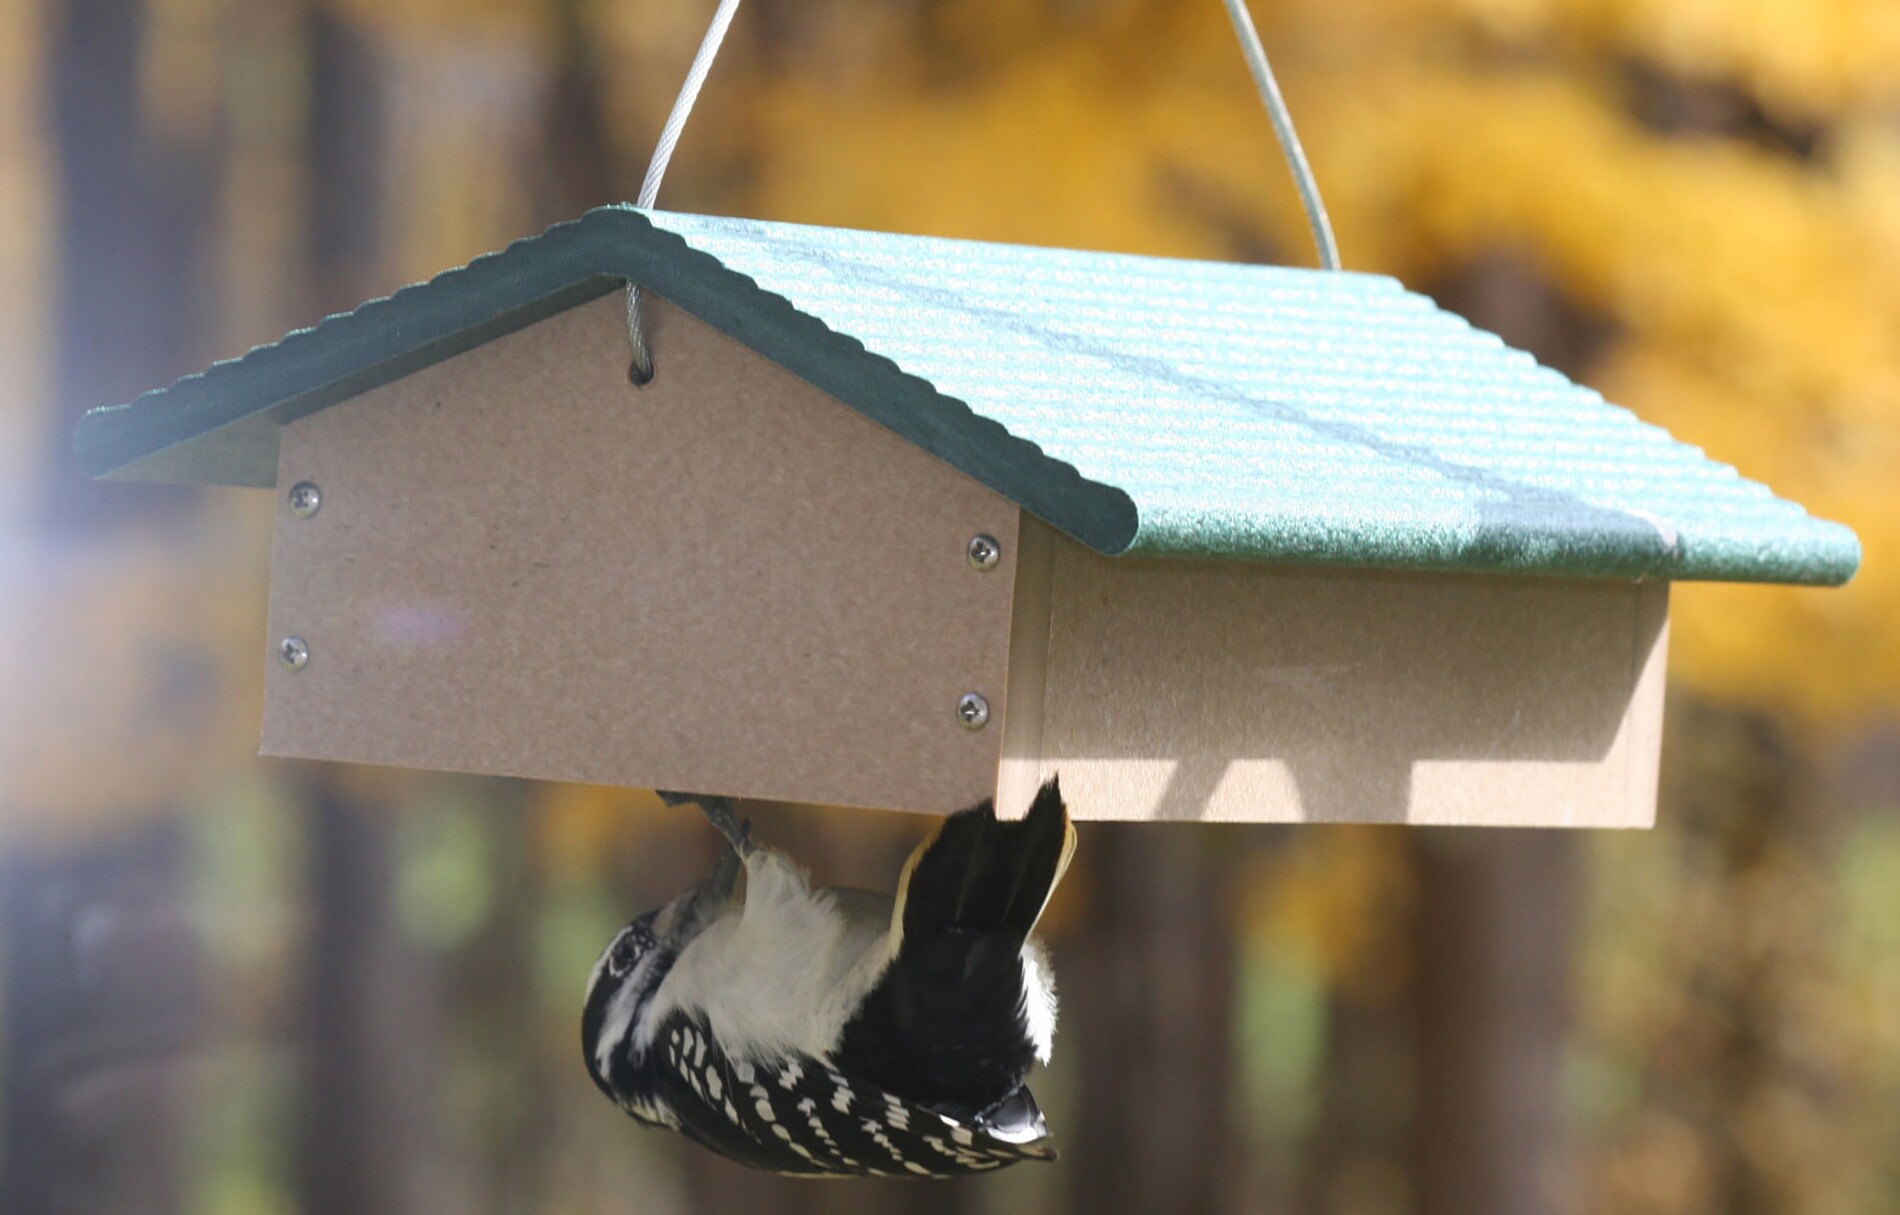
[{"x": 802, "y": 1116}]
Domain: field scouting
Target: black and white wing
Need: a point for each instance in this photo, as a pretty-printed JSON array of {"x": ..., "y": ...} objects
[{"x": 802, "y": 1116}]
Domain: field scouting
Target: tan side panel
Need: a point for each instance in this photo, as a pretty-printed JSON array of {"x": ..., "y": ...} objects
[
  {"x": 1193, "y": 691},
  {"x": 724, "y": 582},
  {"x": 1022, "y": 769}
]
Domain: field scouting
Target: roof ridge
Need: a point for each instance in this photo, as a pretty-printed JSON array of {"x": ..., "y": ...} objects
[{"x": 1110, "y": 536}]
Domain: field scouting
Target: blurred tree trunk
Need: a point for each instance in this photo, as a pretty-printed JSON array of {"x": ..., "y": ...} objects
[
  {"x": 1497, "y": 912},
  {"x": 1758, "y": 832},
  {"x": 580, "y": 168},
  {"x": 135, "y": 246},
  {"x": 103, "y": 997},
  {"x": 1147, "y": 987},
  {"x": 373, "y": 1029},
  {"x": 1354, "y": 1154},
  {"x": 1495, "y": 929},
  {"x": 348, "y": 157},
  {"x": 496, "y": 994},
  {"x": 101, "y": 983}
]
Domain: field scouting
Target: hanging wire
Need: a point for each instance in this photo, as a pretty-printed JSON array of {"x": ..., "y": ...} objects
[
  {"x": 1256, "y": 54},
  {"x": 642, "y": 369},
  {"x": 1250, "y": 46}
]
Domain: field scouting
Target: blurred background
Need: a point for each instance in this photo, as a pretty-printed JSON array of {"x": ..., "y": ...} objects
[{"x": 231, "y": 986}]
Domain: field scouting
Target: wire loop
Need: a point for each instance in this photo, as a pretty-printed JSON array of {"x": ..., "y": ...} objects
[{"x": 642, "y": 368}]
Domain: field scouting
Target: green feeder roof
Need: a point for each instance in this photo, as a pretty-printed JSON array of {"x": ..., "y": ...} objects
[{"x": 1143, "y": 405}]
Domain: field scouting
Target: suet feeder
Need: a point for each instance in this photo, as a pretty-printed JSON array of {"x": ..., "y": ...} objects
[{"x": 906, "y": 522}]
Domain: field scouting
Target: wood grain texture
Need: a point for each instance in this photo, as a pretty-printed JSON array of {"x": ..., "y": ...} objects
[
  {"x": 1197, "y": 691},
  {"x": 724, "y": 581}
]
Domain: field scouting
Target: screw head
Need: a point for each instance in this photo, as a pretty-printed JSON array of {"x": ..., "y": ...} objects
[
  {"x": 294, "y": 653},
  {"x": 305, "y": 498},
  {"x": 984, "y": 552},
  {"x": 973, "y": 711}
]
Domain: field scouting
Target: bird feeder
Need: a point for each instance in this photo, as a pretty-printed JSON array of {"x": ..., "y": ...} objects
[{"x": 908, "y": 523}]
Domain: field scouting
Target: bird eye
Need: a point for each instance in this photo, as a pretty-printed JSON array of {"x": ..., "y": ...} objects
[{"x": 621, "y": 958}]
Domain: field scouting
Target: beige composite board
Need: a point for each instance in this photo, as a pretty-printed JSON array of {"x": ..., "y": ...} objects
[
  {"x": 726, "y": 581},
  {"x": 1186, "y": 690},
  {"x": 723, "y": 581}
]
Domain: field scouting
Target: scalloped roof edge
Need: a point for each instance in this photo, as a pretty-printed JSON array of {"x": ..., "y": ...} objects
[{"x": 218, "y": 426}]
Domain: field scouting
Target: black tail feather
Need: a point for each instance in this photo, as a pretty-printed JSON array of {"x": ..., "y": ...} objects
[
  {"x": 980, "y": 874},
  {"x": 946, "y": 1025}
]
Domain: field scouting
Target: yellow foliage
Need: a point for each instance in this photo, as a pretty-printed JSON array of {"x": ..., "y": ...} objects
[
  {"x": 581, "y": 827},
  {"x": 1802, "y": 57}
]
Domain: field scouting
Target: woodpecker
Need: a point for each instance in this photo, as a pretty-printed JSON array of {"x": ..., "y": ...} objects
[{"x": 831, "y": 1032}]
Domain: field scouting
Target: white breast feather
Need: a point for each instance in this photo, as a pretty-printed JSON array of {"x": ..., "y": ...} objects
[{"x": 783, "y": 973}]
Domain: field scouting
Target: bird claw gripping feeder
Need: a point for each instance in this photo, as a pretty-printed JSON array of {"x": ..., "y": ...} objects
[{"x": 911, "y": 523}]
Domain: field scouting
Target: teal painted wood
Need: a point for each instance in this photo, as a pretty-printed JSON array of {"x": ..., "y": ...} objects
[{"x": 1144, "y": 405}]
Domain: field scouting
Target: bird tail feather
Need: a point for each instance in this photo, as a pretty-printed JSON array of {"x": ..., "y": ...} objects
[{"x": 980, "y": 874}]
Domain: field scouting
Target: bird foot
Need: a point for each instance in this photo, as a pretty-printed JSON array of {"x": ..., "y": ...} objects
[{"x": 718, "y": 812}]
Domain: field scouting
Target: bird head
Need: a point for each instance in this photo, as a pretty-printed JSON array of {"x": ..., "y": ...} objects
[
  {"x": 623, "y": 984},
  {"x": 629, "y": 973}
]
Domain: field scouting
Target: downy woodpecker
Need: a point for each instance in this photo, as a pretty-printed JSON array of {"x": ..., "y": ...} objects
[{"x": 832, "y": 1032}]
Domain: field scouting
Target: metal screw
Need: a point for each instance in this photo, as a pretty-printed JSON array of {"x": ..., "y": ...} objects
[
  {"x": 305, "y": 498},
  {"x": 973, "y": 711},
  {"x": 294, "y": 653},
  {"x": 984, "y": 552}
]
